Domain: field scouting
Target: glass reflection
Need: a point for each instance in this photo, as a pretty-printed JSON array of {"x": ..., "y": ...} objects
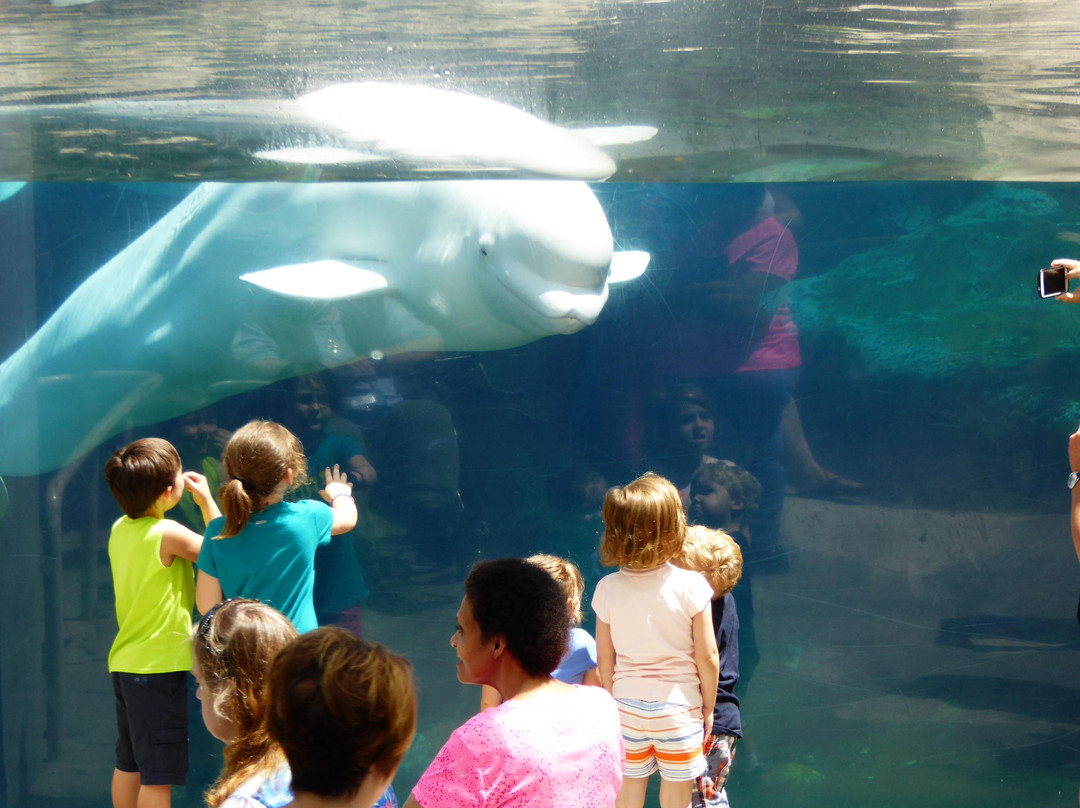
[{"x": 907, "y": 649}]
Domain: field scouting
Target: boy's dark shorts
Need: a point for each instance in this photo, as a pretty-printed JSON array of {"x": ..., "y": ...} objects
[{"x": 152, "y": 720}]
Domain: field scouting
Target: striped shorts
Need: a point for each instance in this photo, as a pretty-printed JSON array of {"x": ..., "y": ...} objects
[{"x": 661, "y": 736}]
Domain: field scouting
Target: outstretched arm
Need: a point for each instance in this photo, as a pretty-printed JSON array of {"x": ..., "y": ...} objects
[
  {"x": 338, "y": 492},
  {"x": 177, "y": 540}
]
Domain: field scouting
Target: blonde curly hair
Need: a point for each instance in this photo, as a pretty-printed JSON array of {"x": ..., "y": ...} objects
[{"x": 714, "y": 554}]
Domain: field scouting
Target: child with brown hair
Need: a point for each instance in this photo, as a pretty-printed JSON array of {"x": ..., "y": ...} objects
[
  {"x": 715, "y": 555},
  {"x": 154, "y": 583},
  {"x": 344, "y": 712},
  {"x": 655, "y": 642},
  {"x": 264, "y": 547}
]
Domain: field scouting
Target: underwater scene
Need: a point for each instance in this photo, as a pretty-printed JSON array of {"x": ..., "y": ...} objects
[
  {"x": 910, "y": 634},
  {"x": 495, "y": 258}
]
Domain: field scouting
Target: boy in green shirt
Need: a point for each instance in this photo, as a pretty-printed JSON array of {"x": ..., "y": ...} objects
[{"x": 154, "y": 583}]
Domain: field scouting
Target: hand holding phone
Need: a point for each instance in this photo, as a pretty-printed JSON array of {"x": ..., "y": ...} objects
[{"x": 1053, "y": 281}]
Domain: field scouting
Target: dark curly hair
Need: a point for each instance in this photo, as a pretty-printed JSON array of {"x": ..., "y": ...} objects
[{"x": 523, "y": 603}]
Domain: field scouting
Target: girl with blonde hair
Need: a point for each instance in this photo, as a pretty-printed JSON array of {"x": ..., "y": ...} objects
[{"x": 655, "y": 643}]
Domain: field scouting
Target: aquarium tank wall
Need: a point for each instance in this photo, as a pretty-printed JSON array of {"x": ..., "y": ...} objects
[{"x": 494, "y": 258}]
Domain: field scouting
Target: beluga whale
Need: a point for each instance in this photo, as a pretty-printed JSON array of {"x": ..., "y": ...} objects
[
  {"x": 244, "y": 284},
  {"x": 363, "y": 130}
]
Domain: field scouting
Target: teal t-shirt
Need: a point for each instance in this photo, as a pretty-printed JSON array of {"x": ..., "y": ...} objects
[{"x": 273, "y": 558}]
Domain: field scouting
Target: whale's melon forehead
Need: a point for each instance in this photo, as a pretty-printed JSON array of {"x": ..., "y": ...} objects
[{"x": 558, "y": 217}]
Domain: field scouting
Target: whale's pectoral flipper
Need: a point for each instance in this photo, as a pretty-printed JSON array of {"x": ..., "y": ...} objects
[
  {"x": 323, "y": 280},
  {"x": 627, "y": 265}
]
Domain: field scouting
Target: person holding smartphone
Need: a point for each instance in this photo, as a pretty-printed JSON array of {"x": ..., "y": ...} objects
[{"x": 1072, "y": 267}]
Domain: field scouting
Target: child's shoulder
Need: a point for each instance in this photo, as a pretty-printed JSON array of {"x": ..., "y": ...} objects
[
  {"x": 579, "y": 636},
  {"x": 304, "y": 506},
  {"x": 685, "y": 577},
  {"x": 142, "y": 523}
]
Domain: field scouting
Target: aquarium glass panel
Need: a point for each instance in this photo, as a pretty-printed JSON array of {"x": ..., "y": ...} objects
[{"x": 491, "y": 260}]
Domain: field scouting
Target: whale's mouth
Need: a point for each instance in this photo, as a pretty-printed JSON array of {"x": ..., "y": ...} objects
[{"x": 558, "y": 308}]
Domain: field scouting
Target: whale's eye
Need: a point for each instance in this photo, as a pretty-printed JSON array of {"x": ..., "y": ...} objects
[{"x": 487, "y": 241}]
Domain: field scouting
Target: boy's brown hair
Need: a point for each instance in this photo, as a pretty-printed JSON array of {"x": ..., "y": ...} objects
[
  {"x": 714, "y": 554},
  {"x": 644, "y": 524},
  {"x": 140, "y": 472}
]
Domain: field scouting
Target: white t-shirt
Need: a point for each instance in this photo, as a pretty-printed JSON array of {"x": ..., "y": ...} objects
[{"x": 651, "y": 613}]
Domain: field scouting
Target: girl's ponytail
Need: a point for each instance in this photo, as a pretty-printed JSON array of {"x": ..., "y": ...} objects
[
  {"x": 238, "y": 507},
  {"x": 257, "y": 458}
]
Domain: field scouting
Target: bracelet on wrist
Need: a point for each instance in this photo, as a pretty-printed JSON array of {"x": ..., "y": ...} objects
[{"x": 336, "y": 497}]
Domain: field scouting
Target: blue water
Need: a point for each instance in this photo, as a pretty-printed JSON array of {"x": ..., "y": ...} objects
[{"x": 917, "y": 639}]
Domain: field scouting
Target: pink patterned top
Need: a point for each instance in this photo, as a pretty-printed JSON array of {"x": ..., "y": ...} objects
[{"x": 531, "y": 753}]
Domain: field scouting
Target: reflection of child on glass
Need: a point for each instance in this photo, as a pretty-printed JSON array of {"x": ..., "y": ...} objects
[
  {"x": 264, "y": 548},
  {"x": 330, "y": 441},
  {"x": 725, "y": 498},
  {"x": 578, "y": 665},
  {"x": 655, "y": 641},
  {"x": 154, "y": 584}
]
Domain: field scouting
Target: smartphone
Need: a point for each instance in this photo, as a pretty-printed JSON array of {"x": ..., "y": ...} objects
[{"x": 1053, "y": 281}]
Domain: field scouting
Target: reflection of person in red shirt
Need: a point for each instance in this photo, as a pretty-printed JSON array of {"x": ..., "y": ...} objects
[
  {"x": 763, "y": 260},
  {"x": 736, "y": 339},
  {"x": 737, "y": 313}
]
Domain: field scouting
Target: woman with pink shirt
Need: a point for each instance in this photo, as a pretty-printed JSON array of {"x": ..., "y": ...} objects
[{"x": 549, "y": 744}]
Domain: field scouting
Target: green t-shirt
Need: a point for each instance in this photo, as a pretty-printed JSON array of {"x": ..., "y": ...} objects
[{"x": 153, "y": 602}]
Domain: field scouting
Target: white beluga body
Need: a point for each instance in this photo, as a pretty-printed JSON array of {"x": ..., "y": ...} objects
[
  {"x": 436, "y": 129},
  {"x": 365, "y": 130},
  {"x": 241, "y": 285}
]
